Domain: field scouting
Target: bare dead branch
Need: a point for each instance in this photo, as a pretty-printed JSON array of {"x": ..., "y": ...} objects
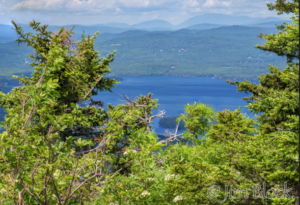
[
  {"x": 160, "y": 114},
  {"x": 29, "y": 116},
  {"x": 92, "y": 88},
  {"x": 20, "y": 197},
  {"x": 58, "y": 197},
  {"x": 85, "y": 181},
  {"x": 145, "y": 119},
  {"x": 33, "y": 196},
  {"x": 172, "y": 137},
  {"x": 101, "y": 145},
  {"x": 71, "y": 184}
]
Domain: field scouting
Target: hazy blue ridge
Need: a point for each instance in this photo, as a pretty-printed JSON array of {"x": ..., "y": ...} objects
[{"x": 201, "y": 50}]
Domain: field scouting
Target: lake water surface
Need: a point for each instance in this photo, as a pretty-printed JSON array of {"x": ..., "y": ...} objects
[{"x": 173, "y": 93}]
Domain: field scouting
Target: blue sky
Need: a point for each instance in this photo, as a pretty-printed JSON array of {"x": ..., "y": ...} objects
[{"x": 62, "y": 12}]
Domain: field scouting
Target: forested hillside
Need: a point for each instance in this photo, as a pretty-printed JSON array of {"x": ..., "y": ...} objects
[{"x": 226, "y": 52}]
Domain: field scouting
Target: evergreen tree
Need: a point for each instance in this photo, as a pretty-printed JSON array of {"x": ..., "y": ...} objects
[
  {"x": 276, "y": 95},
  {"x": 54, "y": 151},
  {"x": 79, "y": 77}
]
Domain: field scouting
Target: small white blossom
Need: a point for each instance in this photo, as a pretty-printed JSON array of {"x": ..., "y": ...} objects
[
  {"x": 145, "y": 193},
  {"x": 169, "y": 176},
  {"x": 134, "y": 151},
  {"x": 177, "y": 198},
  {"x": 113, "y": 203},
  {"x": 150, "y": 179}
]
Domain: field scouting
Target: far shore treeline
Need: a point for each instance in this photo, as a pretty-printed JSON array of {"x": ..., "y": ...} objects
[{"x": 227, "y": 53}]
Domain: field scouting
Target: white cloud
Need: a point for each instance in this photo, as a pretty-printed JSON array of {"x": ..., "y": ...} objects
[
  {"x": 225, "y": 3},
  {"x": 216, "y": 3},
  {"x": 192, "y": 3},
  {"x": 196, "y": 10},
  {"x": 117, "y": 11},
  {"x": 2, "y": 7},
  {"x": 129, "y": 11},
  {"x": 134, "y": 3},
  {"x": 133, "y": 6},
  {"x": 84, "y": 5},
  {"x": 209, "y": 3},
  {"x": 53, "y": 5}
]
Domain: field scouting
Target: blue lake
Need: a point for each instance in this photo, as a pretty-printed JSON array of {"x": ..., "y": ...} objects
[{"x": 173, "y": 93}]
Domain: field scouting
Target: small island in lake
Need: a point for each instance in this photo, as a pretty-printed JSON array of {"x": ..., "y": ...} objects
[{"x": 170, "y": 122}]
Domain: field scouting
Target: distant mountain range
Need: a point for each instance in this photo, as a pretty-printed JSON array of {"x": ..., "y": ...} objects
[
  {"x": 200, "y": 22},
  {"x": 206, "y": 45},
  {"x": 213, "y": 19},
  {"x": 204, "y": 26},
  {"x": 268, "y": 24},
  {"x": 153, "y": 24},
  {"x": 224, "y": 52}
]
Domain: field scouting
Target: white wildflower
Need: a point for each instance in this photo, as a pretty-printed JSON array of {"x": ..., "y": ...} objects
[
  {"x": 113, "y": 203},
  {"x": 145, "y": 193},
  {"x": 178, "y": 198},
  {"x": 150, "y": 179},
  {"x": 169, "y": 176},
  {"x": 134, "y": 151}
]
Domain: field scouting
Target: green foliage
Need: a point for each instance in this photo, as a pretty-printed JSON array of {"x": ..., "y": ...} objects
[
  {"x": 282, "y": 6},
  {"x": 39, "y": 164},
  {"x": 45, "y": 126},
  {"x": 33, "y": 169},
  {"x": 197, "y": 119},
  {"x": 288, "y": 36},
  {"x": 130, "y": 124},
  {"x": 231, "y": 127},
  {"x": 238, "y": 152},
  {"x": 276, "y": 95}
]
